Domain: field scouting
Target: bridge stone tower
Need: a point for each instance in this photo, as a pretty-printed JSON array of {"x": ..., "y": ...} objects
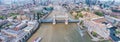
[{"x": 60, "y": 18}]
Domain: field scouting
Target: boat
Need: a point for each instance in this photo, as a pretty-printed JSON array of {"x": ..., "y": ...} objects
[{"x": 38, "y": 39}]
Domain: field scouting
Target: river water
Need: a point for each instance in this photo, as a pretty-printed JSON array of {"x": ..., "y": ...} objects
[{"x": 60, "y": 32}]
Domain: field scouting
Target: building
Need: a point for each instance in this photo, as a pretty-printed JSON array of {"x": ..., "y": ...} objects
[
  {"x": 16, "y": 35},
  {"x": 21, "y": 35},
  {"x": 20, "y": 26},
  {"x": 16, "y": 2},
  {"x": 4, "y": 38},
  {"x": 0, "y": 2},
  {"x": 88, "y": 2},
  {"x": 99, "y": 26},
  {"x": 112, "y": 20},
  {"x": 2, "y": 22}
]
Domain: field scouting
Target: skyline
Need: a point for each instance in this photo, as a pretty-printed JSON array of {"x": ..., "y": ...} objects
[{"x": 59, "y": 20}]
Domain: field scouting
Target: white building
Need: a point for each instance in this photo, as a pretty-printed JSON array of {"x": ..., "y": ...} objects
[
  {"x": 100, "y": 29},
  {"x": 18, "y": 2},
  {"x": 21, "y": 35}
]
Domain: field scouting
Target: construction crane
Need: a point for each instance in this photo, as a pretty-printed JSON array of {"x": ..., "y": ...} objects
[
  {"x": 112, "y": 2},
  {"x": 34, "y": 2}
]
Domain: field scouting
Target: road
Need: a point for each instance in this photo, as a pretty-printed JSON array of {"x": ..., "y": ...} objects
[{"x": 59, "y": 32}]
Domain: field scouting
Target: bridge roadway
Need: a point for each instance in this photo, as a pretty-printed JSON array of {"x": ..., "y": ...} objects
[
  {"x": 59, "y": 32},
  {"x": 58, "y": 21}
]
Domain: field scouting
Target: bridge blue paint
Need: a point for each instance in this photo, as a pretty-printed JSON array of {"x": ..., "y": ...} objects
[{"x": 58, "y": 21}]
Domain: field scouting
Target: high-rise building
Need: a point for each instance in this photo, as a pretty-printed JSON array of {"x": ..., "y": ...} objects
[
  {"x": 34, "y": 2},
  {"x": 88, "y": 2},
  {"x": 16, "y": 2},
  {"x": 0, "y": 1},
  {"x": 91, "y": 2},
  {"x": 6, "y": 1},
  {"x": 94, "y": 2},
  {"x": 113, "y": 2}
]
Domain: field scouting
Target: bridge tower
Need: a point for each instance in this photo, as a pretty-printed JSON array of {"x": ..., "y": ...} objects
[
  {"x": 54, "y": 21},
  {"x": 60, "y": 18},
  {"x": 66, "y": 19}
]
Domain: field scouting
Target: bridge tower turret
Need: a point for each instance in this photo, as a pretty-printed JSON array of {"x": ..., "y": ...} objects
[
  {"x": 66, "y": 19},
  {"x": 54, "y": 21}
]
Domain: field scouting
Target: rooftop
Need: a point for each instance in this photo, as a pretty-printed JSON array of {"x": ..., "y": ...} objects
[
  {"x": 100, "y": 20},
  {"x": 28, "y": 29}
]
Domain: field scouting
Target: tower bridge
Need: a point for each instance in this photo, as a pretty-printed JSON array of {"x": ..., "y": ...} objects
[
  {"x": 59, "y": 15},
  {"x": 59, "y": 19}
]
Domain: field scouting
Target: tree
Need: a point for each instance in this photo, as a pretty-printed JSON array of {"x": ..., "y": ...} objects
[
  {"x": 80, "y": 15},
  {"x": 2, "y": 17},
  {"x": 94, "y": 34},
  {"x": 13, "y": 14},
  {"x": 81, "y": 22},
  {"x": 99, "y": 13},
  {"x": 85, "y": 9},
  {"x": 71, "y": 12},
  {"x": 117, "y": 31}
]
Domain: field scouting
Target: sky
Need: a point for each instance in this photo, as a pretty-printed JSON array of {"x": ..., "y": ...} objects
[
  {"x": 9, "y": 1},
  {"x": 112, "y": 0}
]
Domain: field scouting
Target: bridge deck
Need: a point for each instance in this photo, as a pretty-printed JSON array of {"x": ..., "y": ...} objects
[{"x": 59, "y": 21}]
